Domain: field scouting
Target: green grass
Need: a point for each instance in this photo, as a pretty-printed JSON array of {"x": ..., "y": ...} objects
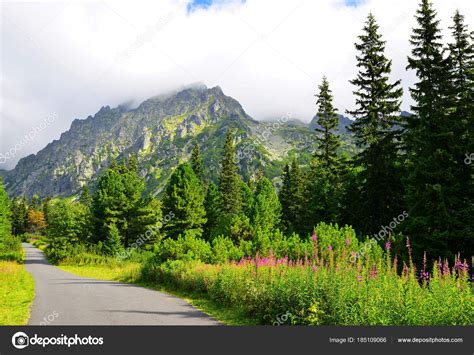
[
  {"x": 130, "y": 273},
  {"x": 17, "y": 290}
]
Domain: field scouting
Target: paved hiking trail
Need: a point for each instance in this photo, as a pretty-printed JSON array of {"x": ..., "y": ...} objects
[{"x": 66, "y": 299}]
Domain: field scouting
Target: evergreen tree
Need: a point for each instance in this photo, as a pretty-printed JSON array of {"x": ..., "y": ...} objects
[
  {"x": 266, "y": 208},
  {"x": 196, "y": 161},
  {"x": 293, "y": 199},
  {"x": 35, "y": 203},
  {"x": 324, "y": 178},
  {"x": 377, "y": 113},
  {"x": 230, "y": 180},
  {"x": 46, "y": 208},
  {"x": 113, "y": 242},
  {"x": 211, "y": 205},
  {"x": 132, "y": 164},
  {"x": 328, "y": 120},
  {"x": 119, "y": 200},
  {"x": 86, "y": 198},
  {"x": 19, "y": 217},
  {"x": 431, "y": 141},
  {"x": 285, "y": 198},
  {"x": 184, "y": 198},
  {"x": 5, "y": 213},
  {"x": 460, "y": 103}
]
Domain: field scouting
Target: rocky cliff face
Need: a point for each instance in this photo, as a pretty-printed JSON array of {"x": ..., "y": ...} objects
[{"x": 161, "y": 132}]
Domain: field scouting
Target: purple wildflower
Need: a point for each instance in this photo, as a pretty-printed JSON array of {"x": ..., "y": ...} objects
[
  {"x": 388, "y": 245},
  {"x": 330, "y": 248},
  {"x": 348, "y": 241},
  {"x": 314, "y": 237}
]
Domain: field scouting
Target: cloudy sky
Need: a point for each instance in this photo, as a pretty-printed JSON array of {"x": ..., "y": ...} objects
[{"x": 64, "y": 60}]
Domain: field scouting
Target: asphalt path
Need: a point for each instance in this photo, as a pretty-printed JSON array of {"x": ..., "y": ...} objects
[{"x": 66, "y": 299}]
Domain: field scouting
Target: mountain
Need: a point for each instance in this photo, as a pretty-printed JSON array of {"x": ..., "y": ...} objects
[
  {"x": 161, "y": 132},
  {"x": 343, "y": 128}
]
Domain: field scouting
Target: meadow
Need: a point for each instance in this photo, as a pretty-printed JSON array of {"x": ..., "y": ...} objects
[{"x": 320, "y": 283}]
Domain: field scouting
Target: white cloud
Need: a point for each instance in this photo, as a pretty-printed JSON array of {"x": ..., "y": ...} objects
[{"x": 71, "y": 58}]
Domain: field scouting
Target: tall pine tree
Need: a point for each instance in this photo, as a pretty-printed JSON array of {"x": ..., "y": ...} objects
[
  {"x": 328, "y": 121},
  {"x": 377, "y": 113},
  {"x": 196, "y": 161},
  {"x": 324, "y": 177},
  {"x": 184, "y": 198},
  {"x": 460, "y": 103},
  {"x": 230, "y": 180},
  {"x": 431, "y": 141}
]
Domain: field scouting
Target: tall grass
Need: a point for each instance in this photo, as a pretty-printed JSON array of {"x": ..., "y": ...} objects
[{"x": 329, "y": 287}]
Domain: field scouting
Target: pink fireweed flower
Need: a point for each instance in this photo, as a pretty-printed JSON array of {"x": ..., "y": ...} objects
[
  {"x": 314, "y": 237},
  {"x": 388, "y": 245},
  {"x": 373, "y": 272},
  {"x": 330, "y": 248},
  {"x": 315, "y": 268},
  {"x": 348, "y": 241}
]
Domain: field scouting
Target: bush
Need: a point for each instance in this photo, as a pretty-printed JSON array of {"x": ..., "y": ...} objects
[
  {"x": 10, "y": 249},
  {"x": 187, "y": 247},
  {"x": 327, "y": 285}
]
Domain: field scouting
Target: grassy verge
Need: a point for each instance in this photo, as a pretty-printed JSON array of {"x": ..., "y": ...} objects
[
  {"x": 17, "y": 290},
  {"x": 130, "y": 273}
]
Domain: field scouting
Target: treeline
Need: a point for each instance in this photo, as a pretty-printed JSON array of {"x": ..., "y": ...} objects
[
  {"x": 408, "y": 165},
  {"x": 414, "y": 163}
]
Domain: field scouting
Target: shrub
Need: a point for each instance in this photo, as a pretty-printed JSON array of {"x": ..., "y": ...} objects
[
  {"x": 10, "y": 249},
  {"x": 187, "y": 247}
]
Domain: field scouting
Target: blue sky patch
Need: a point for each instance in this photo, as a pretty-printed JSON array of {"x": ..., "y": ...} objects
[
  {"x": 194, "y": 5},
  {"x": 354, "y": 3}
]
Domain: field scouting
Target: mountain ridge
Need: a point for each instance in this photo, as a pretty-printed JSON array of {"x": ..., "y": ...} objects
[{"x": 160, "y": 131}]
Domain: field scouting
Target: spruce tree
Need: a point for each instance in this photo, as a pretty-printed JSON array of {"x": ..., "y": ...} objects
[
  {"x": 293, "y": 199},
  {"x": 460, "y": 103},
  {"x": 19, "y": 217},
  {"x": 431, "y": 141},
  {"x": 377, "y": 115},
  {"x": 285, "y": 198},
  {"x": 132, "y": 164},
  {"x": 324, "y": 177},
  {"x": 184, "y": 198},
  {"x": 196, "y": 161},
  {"x": 230, "y": 180},
  {"x": 113, "y": 243},
  {"x": 46, "y": 207},
  {"x": 328, "y": 120},
  {"x": 211, "y": 205},
  {"x": 85, "y": 198},
  {"x": 266, "y": 208},
  {"x": 120, "y": 200}
]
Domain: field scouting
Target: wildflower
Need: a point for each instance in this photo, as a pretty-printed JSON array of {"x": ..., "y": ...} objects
[
  {"x": 314, "y": 237},
  {"x": 330, "y": 248},
  {"x": 359, "y": 278},
  {"x": 348, "y": 241},
  {"x": 373, "y": 272},
  {"x": 388, "y": 245},
  {"x": 315, "y": 268}
]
